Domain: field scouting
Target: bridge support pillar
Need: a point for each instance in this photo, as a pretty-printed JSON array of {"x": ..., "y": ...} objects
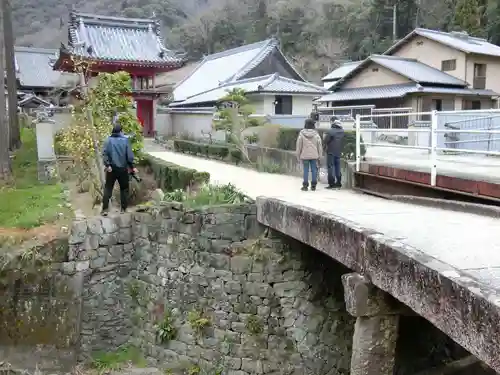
[{"x": 376, "y": 330}]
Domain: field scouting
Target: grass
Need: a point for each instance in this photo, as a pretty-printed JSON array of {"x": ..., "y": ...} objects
[
  {"x": 208, "y": 195},
  {"x": 113, "y": 361},
  {"x": 25, "y": 202}
]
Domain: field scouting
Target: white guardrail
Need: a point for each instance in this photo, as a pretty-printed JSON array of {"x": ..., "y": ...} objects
[{"x": 434, "y": 131}]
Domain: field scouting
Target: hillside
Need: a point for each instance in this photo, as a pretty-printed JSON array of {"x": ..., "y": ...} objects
[{"x": 316, "y": 35}]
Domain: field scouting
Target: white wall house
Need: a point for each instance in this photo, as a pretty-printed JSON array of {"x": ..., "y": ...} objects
[{"x": 275, "y": 89}]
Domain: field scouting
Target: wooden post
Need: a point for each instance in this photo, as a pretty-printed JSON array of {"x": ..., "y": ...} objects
[
  {"x": 5, "y": 166},
  {"x": 97, "y": 151},
  {"x": 10, "y": 67}
]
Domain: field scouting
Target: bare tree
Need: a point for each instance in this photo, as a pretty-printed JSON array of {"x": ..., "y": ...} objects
[
  {"x": 15, "y": 134},
  {"x": 5, "y": 167}
]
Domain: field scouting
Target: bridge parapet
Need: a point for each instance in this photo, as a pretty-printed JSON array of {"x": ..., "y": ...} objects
[{"x": 467, "y": 309}]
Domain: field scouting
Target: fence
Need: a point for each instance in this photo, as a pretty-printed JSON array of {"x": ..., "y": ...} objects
[
  {"x": 448, "y": 132},
  {"x": 349, "y": 113}
]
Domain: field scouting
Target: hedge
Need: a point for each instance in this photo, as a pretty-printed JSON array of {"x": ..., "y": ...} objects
[
  {"x": 217, "y": 151},
  {"x": 287, "y": 139},
  {"x": 170, "y": 177}
]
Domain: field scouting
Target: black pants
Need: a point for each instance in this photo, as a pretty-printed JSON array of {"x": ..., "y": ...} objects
[
  {"x": 120, "y": 175},
  {"x": 333, "y": 168}
]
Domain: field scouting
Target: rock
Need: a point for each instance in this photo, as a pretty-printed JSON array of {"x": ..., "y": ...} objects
[{"x": 158, "y": 195}]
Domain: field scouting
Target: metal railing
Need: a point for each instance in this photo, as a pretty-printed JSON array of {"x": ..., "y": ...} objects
[
  {"x": 344, "y": 113},
  {"x": 437, "y": 138},
  {"x": 349, "y": 113},
  {"x": 392, "y": 122}
]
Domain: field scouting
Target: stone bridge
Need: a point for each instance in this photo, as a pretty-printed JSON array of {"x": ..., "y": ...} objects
[
  {"x": 443, "y": 265},
  {"x": 299, "y": 283}
]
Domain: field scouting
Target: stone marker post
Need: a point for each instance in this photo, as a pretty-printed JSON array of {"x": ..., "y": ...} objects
[
  {"x": 45, "y": 148},
  {"x": 376, "y": 329}
]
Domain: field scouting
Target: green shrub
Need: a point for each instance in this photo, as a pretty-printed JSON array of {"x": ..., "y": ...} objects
[
  {"x": 170, "y": 177},
  {"x": 213, "y": 151},
  {"x": 59, "y": 148},
  {"x": 287, "y": 139},
  {"x": 236, "y": 156},
  {"x": 208, "y": 195}
]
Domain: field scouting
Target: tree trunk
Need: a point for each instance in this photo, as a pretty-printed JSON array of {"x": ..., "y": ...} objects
[
  {"x": 5, "y": 168},
  {"x": 10, "y": 66}
]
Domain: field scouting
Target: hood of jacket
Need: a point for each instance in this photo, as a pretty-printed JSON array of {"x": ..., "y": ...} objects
[
  {"x": 337, "y": 124},
  {"x": 309, "y": 133}
]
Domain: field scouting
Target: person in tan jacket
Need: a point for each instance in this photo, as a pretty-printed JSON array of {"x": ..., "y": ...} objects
[{"x": 309, "y": 150}]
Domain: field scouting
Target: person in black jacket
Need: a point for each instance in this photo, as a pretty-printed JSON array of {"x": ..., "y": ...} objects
[
  {"x": 333, "y": 148},
  {"x": 118, "y": 158}
]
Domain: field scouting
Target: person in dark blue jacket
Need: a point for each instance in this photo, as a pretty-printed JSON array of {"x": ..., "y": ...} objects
[
  {"x": 118, "y": 158},
  {"x": 333, "y": 148}
]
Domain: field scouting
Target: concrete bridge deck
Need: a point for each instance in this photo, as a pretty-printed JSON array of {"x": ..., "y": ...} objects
[
  {"x": 444, "y": 265},
  {"x": 467, "y": 173}
]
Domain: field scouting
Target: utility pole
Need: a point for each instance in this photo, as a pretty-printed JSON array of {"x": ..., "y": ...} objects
[
  {"x": 10, "y": 66},
  {"x": 394, "y": 21},
  {"x": 5, "y": 166}
]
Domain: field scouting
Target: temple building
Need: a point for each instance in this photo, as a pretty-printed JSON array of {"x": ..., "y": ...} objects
[{"x": 115, "y": 44}]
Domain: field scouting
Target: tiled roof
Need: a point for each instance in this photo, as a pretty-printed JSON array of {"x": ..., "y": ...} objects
[
  {"x": 34, "y": 98},
  {"x": 341, "y": 71},
  {"x": 458, "y": 40},
  {"x": 224, "y": 67},
  {"x": 174, "y": 76},
  {"x": 34, "y": 67},
  {"x": 272, "y": 83},
  {"x": 412, "y": 69},
  {"x": 397, "y": 91},
  {"x": 416, "y": 70},
  {"x": 131, "y": 40}
]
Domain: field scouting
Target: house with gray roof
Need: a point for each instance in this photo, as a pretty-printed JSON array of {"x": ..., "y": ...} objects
[
  {"x": 275, "y": 89},
  {"x": 468, "y": 58},
  {"x": 261, "y": 68},
  {"x": 331, "y": 78},
  {"x": 35, "y": 73},
  {"x": 391, "y": 82},
  {"x": 255, "y": 88}
]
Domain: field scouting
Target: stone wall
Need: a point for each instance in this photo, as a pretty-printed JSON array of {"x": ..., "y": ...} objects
[
  {"x": 288, "y": 161},
  {"x": 268, "y": 306},
  {"x": 101, "y": 249},
  {"x": 39, "y": 308},
  {"x": 209, "y": 289}
]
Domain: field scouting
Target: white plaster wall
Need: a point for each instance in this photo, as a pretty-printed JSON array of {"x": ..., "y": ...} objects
[
  {"x": 163, "y": 123},
  {"x": 258, "y": 104},
  {"x": 194, "y": 124},
  {"x": 301, "y": 105}
]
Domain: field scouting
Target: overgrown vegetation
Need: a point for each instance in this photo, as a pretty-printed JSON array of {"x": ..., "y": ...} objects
[
  {"x": 106, "y": 102},
  {"x": 111, "y": 361},
  {"x": 171, "y": 177},
  {"x": 214, "y": 151},
  {"x": 207, "y": 195},
  {"x": 254, "y": 325},
  {"x": 27, "y": 203},
  {"x": 198, "y": 321},
  {"x": 269, "y": 166},
  {"x": 165, "y": 329}
]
